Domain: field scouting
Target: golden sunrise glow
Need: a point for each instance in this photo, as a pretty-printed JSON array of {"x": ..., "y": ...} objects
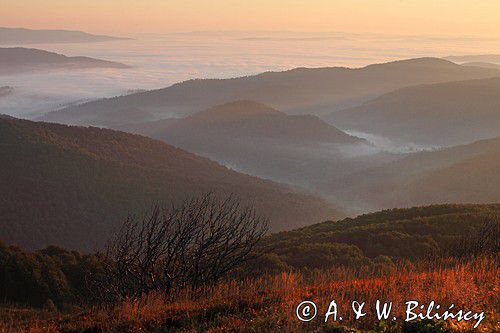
[{"x": 436, "y": 17}]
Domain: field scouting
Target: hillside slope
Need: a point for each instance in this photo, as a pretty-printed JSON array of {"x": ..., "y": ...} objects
[
  {"x": 438, "y": 114},
  {"x": 72, "y": 186},
  {"x": 245, "y": 120},
  {"x": 366, "y": 244},
  {"x": 411, "y": 233},
  {"x": 476, "y": 179},
  {"x": 494, "y": 58},
  {"x": 461, "y": 174},
  {"x": 301, "y": 90},
  {"x": 258, "y": 140},
  {"x": 482, "y": 64},
  {"x": 19, "y": 59}
]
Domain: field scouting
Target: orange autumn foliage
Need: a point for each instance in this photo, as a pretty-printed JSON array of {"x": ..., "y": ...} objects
[{"x": 267, "y": 304}]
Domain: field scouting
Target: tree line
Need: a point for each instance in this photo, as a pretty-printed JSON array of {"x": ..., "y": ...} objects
[{"x": 206, "y": 239}]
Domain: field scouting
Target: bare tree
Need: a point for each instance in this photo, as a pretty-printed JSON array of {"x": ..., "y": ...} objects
[
  {"x": 484, "y": 241},
  {"x": 190, "y": 245}
]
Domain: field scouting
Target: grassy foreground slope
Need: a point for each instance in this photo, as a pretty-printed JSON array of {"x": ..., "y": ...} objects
[
  {"x": 341, "y": 253},
  {"x": 268, "y": 303},
  {"x": 72, "y": 186},
  {"x": 375, "y": 242}
]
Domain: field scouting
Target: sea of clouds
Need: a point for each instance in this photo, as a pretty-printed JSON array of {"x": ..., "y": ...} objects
[{"x": 159, "y": 60}]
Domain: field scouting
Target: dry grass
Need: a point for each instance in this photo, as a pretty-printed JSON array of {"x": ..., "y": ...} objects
[{"x": 267, "y": 304}]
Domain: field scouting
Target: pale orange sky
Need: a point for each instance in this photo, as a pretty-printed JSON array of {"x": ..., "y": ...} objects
[{"x": 431, "y": 17}]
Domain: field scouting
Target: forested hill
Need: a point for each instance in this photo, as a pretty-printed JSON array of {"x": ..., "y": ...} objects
[
  {"x": 378, "y": 238},
  {"x": 71, "y": 186}
]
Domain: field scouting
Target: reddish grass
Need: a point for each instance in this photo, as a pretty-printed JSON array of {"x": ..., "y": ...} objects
[{"x": 267, "y": 304}]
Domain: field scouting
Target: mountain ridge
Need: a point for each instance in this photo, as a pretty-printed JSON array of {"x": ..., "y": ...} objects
[
  {"x": 448, "y": 113},
  {"x": 256, "y": 139},
  {"x": 32, "y": 36},
  {"x": 252, "y": 119},
  {"x": 297, "y": 91},
  {"x": 69, "y": 185}
]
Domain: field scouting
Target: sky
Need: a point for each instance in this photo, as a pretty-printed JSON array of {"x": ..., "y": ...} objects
[{"x": 419, "y": 17}]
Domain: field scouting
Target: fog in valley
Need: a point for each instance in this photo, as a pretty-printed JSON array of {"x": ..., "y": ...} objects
[{"x": 326, "y": 121}]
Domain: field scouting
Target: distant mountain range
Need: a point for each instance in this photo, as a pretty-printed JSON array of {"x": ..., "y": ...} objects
[
  {"x": 17, "y": 36},
  {"x": 493, "y": 58},
  {"x": 255, "y": 125},
  {"x": 298, "y": 91},
  {"x": 437, "y": 114},
  {"x": 19, "y": 59},
  {"x": 482, "y": 64},
  {"x": 72, "y": 186},
  {"x": 257, "y": 139}
]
